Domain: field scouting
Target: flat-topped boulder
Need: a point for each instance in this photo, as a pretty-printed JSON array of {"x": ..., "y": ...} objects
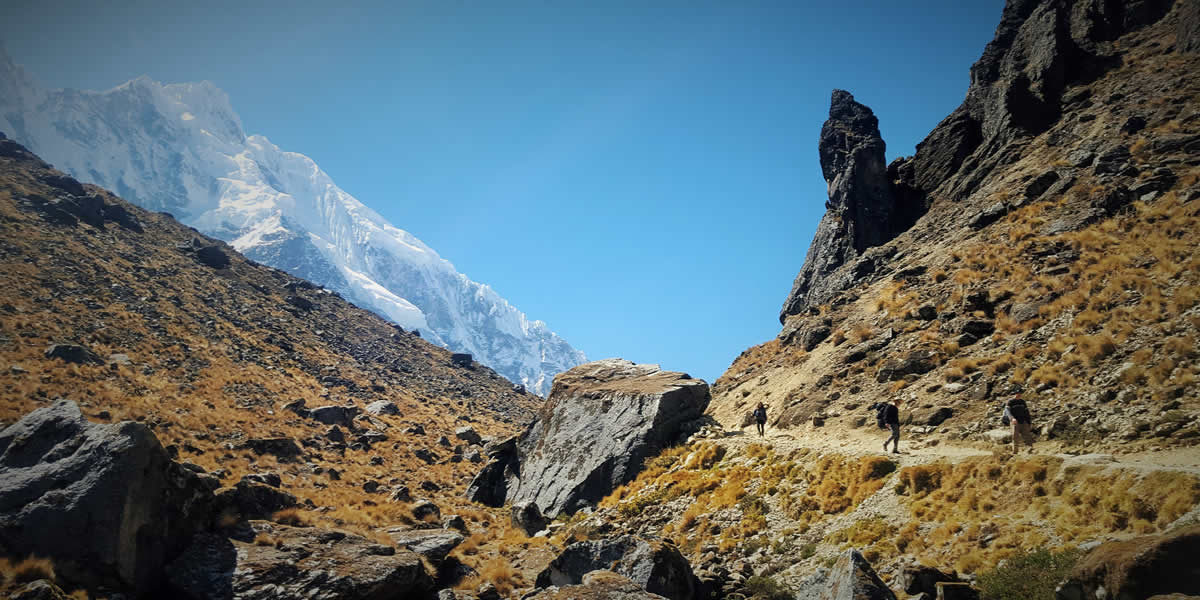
[{"x": 601, "y": 421}]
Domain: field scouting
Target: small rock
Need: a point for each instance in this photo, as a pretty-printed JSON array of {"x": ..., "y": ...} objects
[
  {"x": 455, "y": 522},
  {"x": 401, "y": 494},
  {"x": 468, "y": 435},
  {"x": 383, "y": 407},
  {"x": 73, "y": 353},
  {"x": 425, "y": 509}
]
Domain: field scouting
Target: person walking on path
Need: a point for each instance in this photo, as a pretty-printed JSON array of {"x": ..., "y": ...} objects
[
  {"x": 760, "y": 418},
  {"x": 891, "y": 418},
  {"x": 1017, "y": 413}
]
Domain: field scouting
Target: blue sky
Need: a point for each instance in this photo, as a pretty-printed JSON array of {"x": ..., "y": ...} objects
[{"x": 642, "y": 176}]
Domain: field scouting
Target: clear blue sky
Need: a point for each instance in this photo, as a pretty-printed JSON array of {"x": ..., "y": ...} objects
[{"x": 642, "y": 176}]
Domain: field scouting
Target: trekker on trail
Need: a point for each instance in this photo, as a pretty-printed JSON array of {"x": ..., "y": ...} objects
[
  {"x": 1017, "y": 413},
  {"x": 890, "y": 414},
  {"x": 760, "y": 418}
]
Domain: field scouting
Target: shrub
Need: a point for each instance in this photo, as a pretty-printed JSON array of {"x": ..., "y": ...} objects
[
  {"x": 30, "y": 569},
  {"x": 765, "y": 588},
  {"x": 1027, "y": 575}
]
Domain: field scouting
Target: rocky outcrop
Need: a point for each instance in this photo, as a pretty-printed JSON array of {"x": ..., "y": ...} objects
[
  {"x": 597, "y": 585},
  {"x": 269, "y": 560},
  {"x": 104, "y": 502},
  {"x": 1018, "y": 90},
  {"x": 862, "y": 212},
  {"x": 1138, "y": 568},
  {"x": 655, "y": 567},
  {"x": 601, "y": 421}
]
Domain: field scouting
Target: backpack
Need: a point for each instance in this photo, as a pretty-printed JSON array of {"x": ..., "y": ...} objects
[
  {"x": 1019, "y": 412},
  {"x": 881, "y": 414},
  {"x": 760, "y": 415}
]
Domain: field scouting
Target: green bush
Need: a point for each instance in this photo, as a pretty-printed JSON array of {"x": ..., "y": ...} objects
[
  {"x": 765, "y": 588},
  {"x": 1028, "y": 576}
]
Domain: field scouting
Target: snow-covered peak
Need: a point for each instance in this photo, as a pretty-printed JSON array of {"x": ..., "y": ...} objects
[{"x": 181, "y": 148}]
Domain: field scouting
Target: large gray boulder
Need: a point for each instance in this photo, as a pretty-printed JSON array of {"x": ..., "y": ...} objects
[
  {"x": 850, "y": 578},
  {"x": 600, "y": 423},
  {"x": 104, "y": 502},
  {"x": 656, "y": 567},
  {"x": 298, "y": 562}
]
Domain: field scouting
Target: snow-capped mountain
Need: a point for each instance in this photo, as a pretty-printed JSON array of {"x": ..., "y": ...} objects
[{"x": 180, "y": 148}]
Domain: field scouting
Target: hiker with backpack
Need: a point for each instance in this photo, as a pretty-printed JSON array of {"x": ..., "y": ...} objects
[
  {"x": 887, "y": 416},
  {"x": 1017, "y": 414},
  {"x": 760, "y": 418}
]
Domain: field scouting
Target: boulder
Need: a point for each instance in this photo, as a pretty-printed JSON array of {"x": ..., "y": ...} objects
[
  {"x": 283, "y": 448},
  {"x": 212, "y": 256},
  {"x": 104, "y": 502},
  {"x": 920, "y": 579},
  {"x": 73, "y": 353},
  {"x": 461, "y": 359},
  {"x": 916, "y": 363},
  {"x": 433, "y": 544},
  {"x": 933, "y": 416},
  {"x": 335, "y": 415},
  {"x": 654, "y": 566},
  {"x": 468, "y": 435},
  {"x": 1138, "y": 568},
  {"x": 812, "y": 335},
  {"x": 597, "y": 585},
  {"x": 527, "y": 518},
  {"x": 280, "y": 561},
  {"x": 425, "y": 510},
  {"x": 253, "y": 500},
  {"x": 601, "y": 422},
  {"x": 852, "y": 578},
  {"x": 383, "y": 407}
]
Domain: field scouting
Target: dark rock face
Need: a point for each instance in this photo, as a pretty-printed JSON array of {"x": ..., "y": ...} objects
[
  {"x": 528, "y": 518},
  {"x": 304, "y": 563},
  {"x": 1188, "y": 30},
  {"x": 862, "y": 211},
  {"x": 105, "y": 502},
  {"x": 1138, "y": 568},
  {"x": 601, "y": 421},
  {"x": 490, "y": 485},
  {"x": 656, "y": 567}
]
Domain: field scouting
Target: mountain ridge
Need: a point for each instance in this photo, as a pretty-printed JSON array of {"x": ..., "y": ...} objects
[{"x": 181, "y": 148}]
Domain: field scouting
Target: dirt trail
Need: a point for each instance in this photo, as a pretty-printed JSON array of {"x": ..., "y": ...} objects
[{"x": 927, "y": 449}]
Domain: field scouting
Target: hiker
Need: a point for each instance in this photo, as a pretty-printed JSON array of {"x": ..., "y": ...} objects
[
  {"x": 760, "y": 418},
  {"x": 888, "y": 416},
  {"x": 1017, "y": 413}
]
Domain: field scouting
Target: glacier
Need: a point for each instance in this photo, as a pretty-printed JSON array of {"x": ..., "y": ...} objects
[{"x": 181, "y": 148}]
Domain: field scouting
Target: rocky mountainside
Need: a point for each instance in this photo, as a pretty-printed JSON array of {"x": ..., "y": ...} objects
[
  {"x": 277, "y": 391},
  {"x": 181, "y": 148},
  {"x": 1041, "y": 240}
]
